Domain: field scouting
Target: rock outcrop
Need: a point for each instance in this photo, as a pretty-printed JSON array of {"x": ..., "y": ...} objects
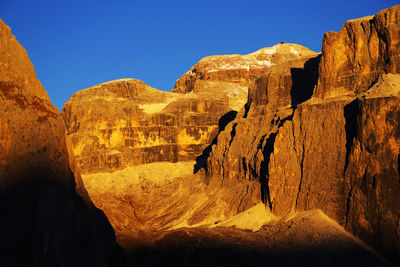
[
  {"x": 289, "y": 127},
  {"x": 239, "y": 157},
  {"x": 240, "y": 69},
  {"x": 337, "y": 151},
  {"x": 125, "y": 123},
  {"x": 44, "y": 221},
  {"x": 136, "y": 145},
  {"x": 364, "y": 49}
]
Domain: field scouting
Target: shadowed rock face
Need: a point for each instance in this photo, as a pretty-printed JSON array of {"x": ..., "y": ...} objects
[
  {"x": 335, "y": 151},
  {"x": 44, "y": 221}
]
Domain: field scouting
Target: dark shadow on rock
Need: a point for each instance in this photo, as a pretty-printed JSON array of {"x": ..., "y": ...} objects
[
  {"x": 304, "y": 81},
  {"x": 398, "y": 165},
  {"x": 44, "y": 222},
  {"x": 201, "y": 160},
  {"x": 350, "y": 114},
  {"x": 268, "y": 149},
  {"x": 197, "y": 247}
]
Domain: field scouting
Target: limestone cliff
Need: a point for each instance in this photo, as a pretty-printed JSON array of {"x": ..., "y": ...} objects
[
  {"x": 44, "y": 221},
  {"x": 307, "y": 131},
  {"x": 149, "y": 139},
  {"x": 337, "y": 151},
  {"x": 125, "y": 123},
  {"x": 354, "y": 58},
  {"x": 240, "y": 69}
]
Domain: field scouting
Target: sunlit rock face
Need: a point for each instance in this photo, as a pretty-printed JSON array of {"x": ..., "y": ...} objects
[
  {"x": 44, "y": 221},
  {"x": 126, "y": 123},
  {"x": 240, "y": 69},
  {"x": 285, "y": 126},
  {"x": 354, "y": 58},
  {"x": 338, "y": 150},
  {"x": 238, "y": 157},
  {"x": 136, "y": 146}
]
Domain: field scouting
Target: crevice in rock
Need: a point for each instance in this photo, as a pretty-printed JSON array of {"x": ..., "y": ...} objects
[
  {"x": 264, "y": 173},
  {"x": 350, "y": 115},
  {"x": 301, "y": 177},
  {"x": 201, "y": 160},
  {"x": 348, "y": 206},
  {"x": 398, "y": 165},
  {"x": 246, "y": 109},
  {"x": 267, "y": 151},
  {"x": 304, "y": 81},
  {"x": 233, "y": 133},
  {"x": 241, "y": 200}
]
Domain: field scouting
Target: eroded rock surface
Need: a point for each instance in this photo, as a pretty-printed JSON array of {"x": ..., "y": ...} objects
[
  {"x": 240, "y": 69},
  {"x": 364, "y": 49},
  {"x": 239, "y": 157},
  {"x": 44, "y": 221},
  {"x": 126, "y": 123},
  {"x": 136, "y": 145},
  {"x": 337, "y": 151},
  {"x": 304, "y": 239},
  {"x": 316, "y": 132}
]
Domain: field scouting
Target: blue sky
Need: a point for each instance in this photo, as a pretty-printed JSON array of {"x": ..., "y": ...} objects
[{"x": 77, "y": 44}]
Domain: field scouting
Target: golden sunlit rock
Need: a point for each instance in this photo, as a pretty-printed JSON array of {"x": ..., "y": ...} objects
[{"x": 280, "y": 157}]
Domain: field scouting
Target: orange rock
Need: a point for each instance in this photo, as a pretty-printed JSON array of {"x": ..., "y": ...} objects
[
  {"x": 44, "y": 221},
  {"x": 354, "y": 58}
]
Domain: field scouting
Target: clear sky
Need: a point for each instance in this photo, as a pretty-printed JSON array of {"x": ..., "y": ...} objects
[{"x": 77, "y": 44}]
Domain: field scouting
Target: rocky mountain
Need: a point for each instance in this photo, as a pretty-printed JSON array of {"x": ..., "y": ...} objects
[
  {"x": 239, "y": 69},
  {"x": 150, "y": 140},
  {"x": 337, "y": 151},
  {"x": 283, "y": 156},
  {"x": 285, "y": 126},
  {"x": 126, "y": 123},
  {"x": 44, "y": 221}
]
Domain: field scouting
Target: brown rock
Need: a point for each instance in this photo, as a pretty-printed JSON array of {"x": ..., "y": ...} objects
[
  {"x": 239, "y": 157},
  {"x": 44, "y": 222},
  {"x": 372, "y": 176},
  {"x": 126, "y": 123},
  {"x": 241, "y": 69},
  {"x": 354, "y": 58},
  {"x": 147, "y": 138},
  {"x": 331, "y": 153}
]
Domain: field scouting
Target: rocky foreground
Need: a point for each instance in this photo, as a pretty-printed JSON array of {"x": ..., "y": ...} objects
[{"x": 283, "y": 156}]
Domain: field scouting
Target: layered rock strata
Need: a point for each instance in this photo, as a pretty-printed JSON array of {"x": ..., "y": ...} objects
[
  {"x": 136, "y": 145},
  {"x": 240, "y": 69},
  {"x": 337, "y": 151},
  {"x": 44, "y": 221},
  {"x": 125, "y": 123},
  {"x": 364, "y": 49}
]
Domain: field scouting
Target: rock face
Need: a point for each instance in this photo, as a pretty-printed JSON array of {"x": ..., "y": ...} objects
[
  {"x": 337, "y": 151},
  {"x": 44, "y": 221},
  {"x": 239, "y": 157},
  {"x": 241, "y": 69},
  {"x": 354, "y": 58},
  {"x": 126, "y": 123},
  {"x": 136, "y": 145},
  {"x": 318, "y": 131}
]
